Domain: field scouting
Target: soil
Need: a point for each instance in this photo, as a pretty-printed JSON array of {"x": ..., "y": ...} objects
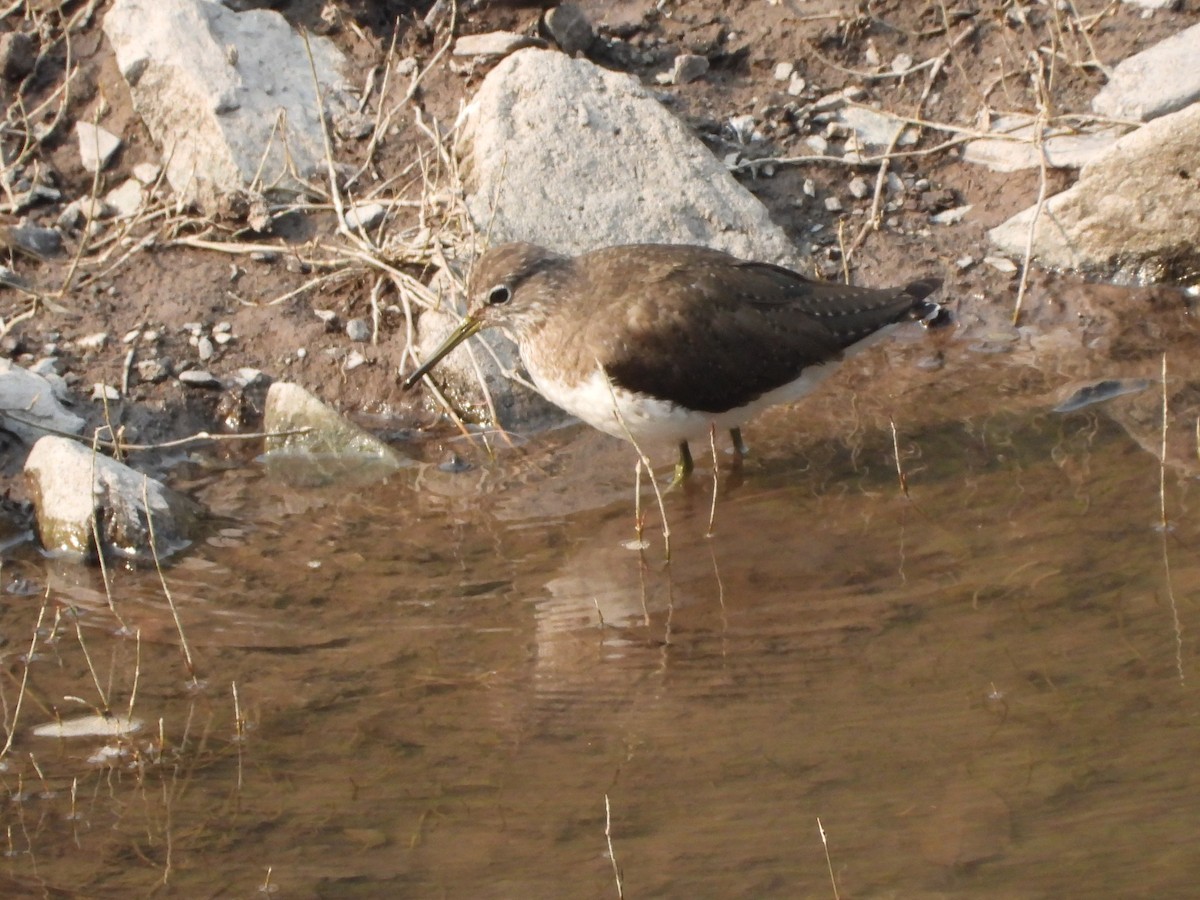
[{"x": 833, "y": 45}]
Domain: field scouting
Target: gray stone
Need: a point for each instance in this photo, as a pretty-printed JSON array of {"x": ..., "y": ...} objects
[
  {"x": 1132, "y": 211},
  {"x": 365, "y": 215},
  {"x": 43, "y": 243},
  {"x": 153, "y": 370},
  {"x": 358, "y": 330},
  {"x": 688, "y": 67},
  {"x": 205, "y": 349},
  {"x": 569, "y": 27},
  {"x": 72, "y": 486},
  {"x": 566, "y": 154},
  {"x": 1159, "y": 80},
  {"x": 199, "y": 378},
  {"x": 227, "y": 96},
  {"x": 97, "y": 146},
  {"x": 16, "y": 55},
  {"x": 332, "y": 448},
  {"x": 783, "y": 71},
  {"x": 859, "y": 189},
  {"x": 1064, "y": 149},
  {"x": 29, "y": 406},
  {"x": 1154, "y": 4},
  {"x": 494, "y": 43}
]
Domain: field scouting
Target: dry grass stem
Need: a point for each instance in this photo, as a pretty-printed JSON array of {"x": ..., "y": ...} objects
[
  {"x": 896, "y": 454},
  {"x": 828, "y": 860},
  {"x": 183, "y": 643},
  {"x": 612, "y": 854},
  {"x": 1164, "y": 529},
  {"x": 712, "y": 510},
  {"x": 29, "y": 657}
]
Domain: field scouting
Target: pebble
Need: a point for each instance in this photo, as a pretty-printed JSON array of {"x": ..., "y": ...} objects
[
  {"x": 205, "y": 349},
  {"x": 569, "y": 28},
  {"x": 97, "y": 146},
  {"x": 198, "y": 378},
  {"x": 92, "y": 341},
  {"x": 43, "y": 243},
  {"x": 358, "y": 330},
  {"x": 365, "y": 215},
  {"x": 859, "y": 189},
  {"x": 353, "y": 360},
  {"x": 833, "y": 204},
  {"x": 783, "y": 71},
  {"x": 246, "y": 377},
  {"x": 222, "y": 338},
  {"x": 1001, "y": 264},
  {"x": 796, "y": 86},
  {"x": 147, "y": 173},
  {"x": 17, "y": 55},
  {"x": 817, "y": 144},
  {"x": 950, "y": 216},
  {"x": 329, "y": 317},
  {"x": 126, "y": 198},
  {"x": 105, "y": 392},
  {"x": 964, "y": 262},
  {"x": 688, "y": 67},
  {"x": 809, "y": 188},
  {"x": 153, "y": 370}
]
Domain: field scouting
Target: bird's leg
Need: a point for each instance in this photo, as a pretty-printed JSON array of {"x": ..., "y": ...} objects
[
  {"x": 684, "y": 467},
  {"x": 739, "y": 446}
]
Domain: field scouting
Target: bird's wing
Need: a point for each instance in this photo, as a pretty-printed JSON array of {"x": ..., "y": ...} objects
[{"x": 712, "y": 335}]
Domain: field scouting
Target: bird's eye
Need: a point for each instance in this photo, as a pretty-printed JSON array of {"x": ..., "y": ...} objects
[{"x": 499, "y": 295}]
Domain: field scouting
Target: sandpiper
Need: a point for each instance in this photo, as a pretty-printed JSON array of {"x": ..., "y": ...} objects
[{"x": 660, "y": 343}]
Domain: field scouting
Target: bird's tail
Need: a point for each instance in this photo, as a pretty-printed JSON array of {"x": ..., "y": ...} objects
[{"x": 929, "y": 313}]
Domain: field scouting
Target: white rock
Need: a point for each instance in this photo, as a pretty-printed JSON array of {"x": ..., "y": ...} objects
[
  {"x": 1001, "y": 264},
  {"x": 783, "y": 71},
  {"x": 859, "y": 188},
  {"x": 94, "y": 341},
  {"x": 1063, "y": 148},
  {"x": 147, "y": 173},
  {"x": 215, "y": 87},
  {"x": 96, "y": 146},
  {"x": 29, "y": 406},
  {"x": 875, "y": 129},
  {"x": 688, "y": 67},
  {"x": 1129, "y": 206},
  {"x": 126, "y": 198},
  {"x": 365, "y": 215},
  {"x": 1159, "y": 80},
  {"x": 833, "y": 204},
  {"x": 71, "y": 484},
  {"x": 493, "y": 43},
  {"x": 817, "y": 144},
  {"x": 950, "y": 216},
  {"x": 796, "y": 86},
  {"x": 101, "y": 391},
  {"x": 902, "y": 63}
]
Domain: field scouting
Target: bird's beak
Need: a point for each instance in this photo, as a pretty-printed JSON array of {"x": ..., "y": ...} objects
[{"x": 465, "y": 329}]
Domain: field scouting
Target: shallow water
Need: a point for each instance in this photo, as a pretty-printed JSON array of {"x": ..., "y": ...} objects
[{"x": 985, "y": 688}]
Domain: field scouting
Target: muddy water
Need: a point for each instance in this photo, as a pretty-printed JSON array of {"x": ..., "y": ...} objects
[{"x": 984, "y": 688}]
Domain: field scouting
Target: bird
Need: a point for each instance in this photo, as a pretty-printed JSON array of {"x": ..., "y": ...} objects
[{"x": 660, "y": 343}]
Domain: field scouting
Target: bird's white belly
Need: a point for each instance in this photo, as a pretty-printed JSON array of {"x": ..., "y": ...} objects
[{"x": 624, "y": 414}]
